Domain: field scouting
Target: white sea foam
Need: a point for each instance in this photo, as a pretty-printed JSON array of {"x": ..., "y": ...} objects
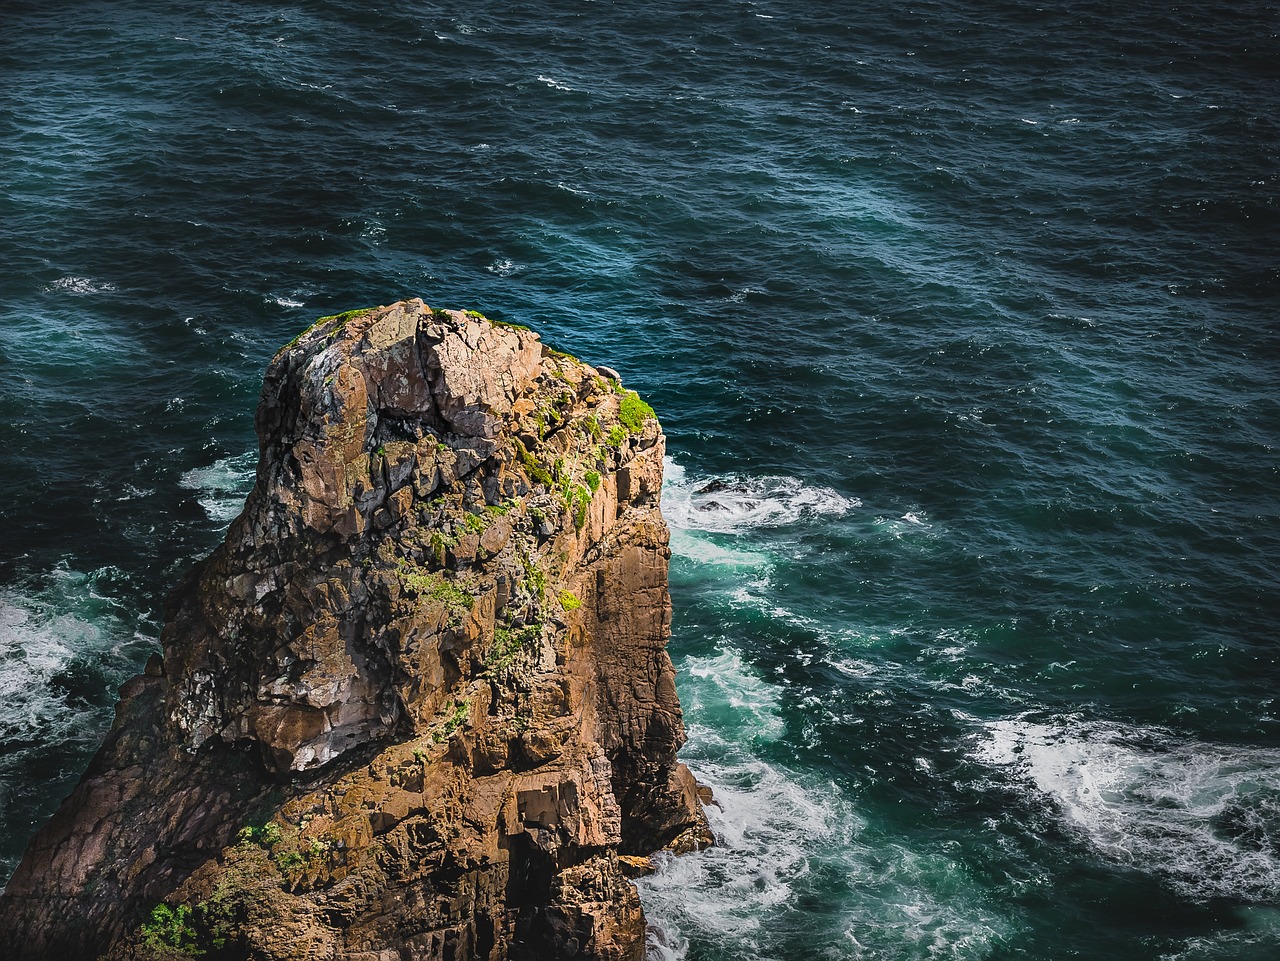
[
  {"x": 81, "y": 286},
  {"x": 555, "y": 84},
  {"x": 736, "y": 502},
  {"x": 763, "y": 819},
  {"x": 724, "y": 688},
  {"x": 283, "y": 301},
  {"x": 687, "y": 544},
  {"x": 742, "y": 293},
  {"x": 503, "y": 267},
  {"x": 32, "y": 651},
  {"x": 781, "y": 838},
  {"x": 1255, "y": 939},
  {"x": 1203, "y": 816},
  {"x": 41, "y": 636},
  {"x": 223, "y": 485},
  {"x": 912, "y": 524}
]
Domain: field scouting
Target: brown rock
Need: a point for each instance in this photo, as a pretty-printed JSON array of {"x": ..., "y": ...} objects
[{"x": 418, "y": 704}]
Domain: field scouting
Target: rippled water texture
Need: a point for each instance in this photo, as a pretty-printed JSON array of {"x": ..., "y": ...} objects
[{"x": 961, "y": 322}]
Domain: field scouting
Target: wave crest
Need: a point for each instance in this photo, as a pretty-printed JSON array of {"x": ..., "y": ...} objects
[
  {"x": 737, "y": 502},
  {"x": 1203, "y": 816}
]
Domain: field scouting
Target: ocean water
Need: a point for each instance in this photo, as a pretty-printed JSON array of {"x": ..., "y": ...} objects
[{"x": 962, "y": 323}]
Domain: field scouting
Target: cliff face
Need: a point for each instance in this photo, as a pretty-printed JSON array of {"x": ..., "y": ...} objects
[{"x": 418, "y": 704}]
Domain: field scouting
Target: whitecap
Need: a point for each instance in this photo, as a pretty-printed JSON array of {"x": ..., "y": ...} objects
[
  {"x": 281, "y": 301},
  {"x": 42, "y": 636},
  {"x": 769, "y": 829},
  {"x": 129, "y": 492},
  {"x": 736, "y": 502},
  {"x": 555, "y": 84},
  {"x": 1203, "y": 816},
  {"x": 223, "y": 485},
  {"x": 81, "y": 286},
  {"x": 782, "y": 836},
  {"x": 914, "y": 523},
  {"x": 704, "y": 551},
  {"x": 503, "y": 267},
  {"x": 743, "y": 705},
  {"x": 742, "y": 293}
]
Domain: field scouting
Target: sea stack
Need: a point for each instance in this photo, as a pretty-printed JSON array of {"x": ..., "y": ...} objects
[{"x": 418, "y": 705}]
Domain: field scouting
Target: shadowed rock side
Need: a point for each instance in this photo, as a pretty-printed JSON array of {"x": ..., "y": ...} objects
[{"x": 418, "y": 705}]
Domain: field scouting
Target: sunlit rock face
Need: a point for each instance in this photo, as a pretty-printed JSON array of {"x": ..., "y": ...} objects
[{"x": 418, "y": 704}]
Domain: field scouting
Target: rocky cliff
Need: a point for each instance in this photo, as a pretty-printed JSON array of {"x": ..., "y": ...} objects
[{"x": 418, "y": 704}]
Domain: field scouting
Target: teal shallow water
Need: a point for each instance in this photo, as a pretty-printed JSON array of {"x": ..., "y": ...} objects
[{"x": 962, "y": 328}]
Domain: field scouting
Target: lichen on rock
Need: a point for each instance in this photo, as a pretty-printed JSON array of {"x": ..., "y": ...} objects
[{"x": 418, "y": 704}]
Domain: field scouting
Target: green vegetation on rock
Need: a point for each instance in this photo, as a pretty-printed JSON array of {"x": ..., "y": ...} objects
[
  {"x": 537, "y": 473},
  {"x": 456, "y": 600},
  {"x": 320, "y": 322},
  {"x": 169, "y": 930},
  {"x": 458, "y": 713},
  {"x": 633, "y": 412},
  {"x": 508, "y": 642},
  {"x": 264, "y": 836}
]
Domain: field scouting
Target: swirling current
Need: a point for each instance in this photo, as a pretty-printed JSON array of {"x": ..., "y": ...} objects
[{"x": 961, "y": 320}]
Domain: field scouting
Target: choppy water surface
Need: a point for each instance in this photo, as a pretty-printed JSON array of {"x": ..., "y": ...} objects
[{"x": 962, "y": 324}]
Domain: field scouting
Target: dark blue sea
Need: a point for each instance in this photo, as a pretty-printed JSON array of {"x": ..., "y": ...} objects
[{"x": 963, "y": 321}]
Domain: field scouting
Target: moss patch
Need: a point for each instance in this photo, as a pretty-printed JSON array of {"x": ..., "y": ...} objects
[{"x": 633, "y": 412}]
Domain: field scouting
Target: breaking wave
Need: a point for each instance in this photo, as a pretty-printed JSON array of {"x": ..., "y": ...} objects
[
  {"x": 223, "y": 485},
  {"x": 736, "y": 502},
  {"x": 1205, "y": 817},
  {"x": 784, "y": 840},
  {"x": 64, "y": 650}
]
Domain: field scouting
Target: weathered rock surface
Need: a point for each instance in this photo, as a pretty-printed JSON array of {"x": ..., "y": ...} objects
[{"x": 418, "y": 704}]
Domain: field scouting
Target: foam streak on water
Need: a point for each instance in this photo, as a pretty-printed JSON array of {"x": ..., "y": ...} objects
[
  {"x": 64, "y": 650},
  {"x": 223, "y": 485},
  {"x": 1203, "y": 816},
  {"x": 782, "y": 840}
]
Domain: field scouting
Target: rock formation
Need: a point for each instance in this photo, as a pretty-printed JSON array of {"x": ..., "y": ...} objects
[{"x": 418, "y": 705}]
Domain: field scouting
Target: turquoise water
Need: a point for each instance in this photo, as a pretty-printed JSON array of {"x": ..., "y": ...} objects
[{"x": 961, "y": 323}]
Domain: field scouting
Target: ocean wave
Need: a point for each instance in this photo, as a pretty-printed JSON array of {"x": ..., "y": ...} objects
[
  {"x": 1253, "y": 939},
  {"x": 736, "y": 502},
  {"x": 81, "y": 286},
  {"x": 1204, "y": 817},
  {"x": 723, "y": 688},
  {"x": 65, "y": 647},
  {"x": 705, "y": 552},
  {"x": 223, "y": 485},
  {"x": 765, "y": 821},
  {"x": 555, "y": 84},
  {"x": 53, "y": 643},
  {"x": 781, "y": 838}
]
